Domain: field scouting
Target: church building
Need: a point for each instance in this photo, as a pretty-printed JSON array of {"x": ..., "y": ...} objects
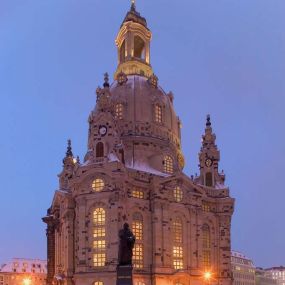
[{"x": 133, "y": 173}]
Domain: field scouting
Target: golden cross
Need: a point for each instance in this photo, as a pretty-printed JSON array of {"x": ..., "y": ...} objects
[{"x": 134, "y": 3}]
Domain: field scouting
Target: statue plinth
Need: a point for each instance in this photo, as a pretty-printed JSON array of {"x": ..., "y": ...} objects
[
  {"x": 124, "y": 275},
  {"x": 125, "y": 268}
]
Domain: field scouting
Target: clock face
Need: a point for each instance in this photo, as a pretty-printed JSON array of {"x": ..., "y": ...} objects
[
  {"x": 102, "y": 130},
  {"x": 208, "y": 162}
]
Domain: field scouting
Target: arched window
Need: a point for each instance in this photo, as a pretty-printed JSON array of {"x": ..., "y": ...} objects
[
  {"x": 99, "y": 283},
  {"x": 168, "y": 164},
  {"x": 98, "y": 184},
  {"x": 123, "y": 51},
  {"x": 177, "y": 244},
  {"x": 140, "y": 283},
  {"x": 99, "y": 149},
  {"x": 178, "y": 194},
  {"x": 99, "y": 237},
  {"x": 119, "y": 111},
  {"x": 137, "y": 228},
  {"x": 206, "y": 245},
  {"x": 209, "y": 179},
  {"x": 178, "y": 283},
  {"x": 139, "y": 47},
  {"x": 158, "y": 113}
]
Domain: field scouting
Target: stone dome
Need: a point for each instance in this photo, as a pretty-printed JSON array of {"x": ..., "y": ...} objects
[
  {"x": 140, "y": 97},
  {"x": 147, "y": 114}
]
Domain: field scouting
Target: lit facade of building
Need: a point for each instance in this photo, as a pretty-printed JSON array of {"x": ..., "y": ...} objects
[
  {"x": 277, "y": 273},
  {"x": 262, "y": 278},
  {"x": 243, "y": 269},
  {"x": 133, "y": 172},
  {"x": 21, "y": 271}
]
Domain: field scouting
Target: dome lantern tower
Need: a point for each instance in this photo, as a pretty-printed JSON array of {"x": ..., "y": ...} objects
[{"x": 133, "y": 43}]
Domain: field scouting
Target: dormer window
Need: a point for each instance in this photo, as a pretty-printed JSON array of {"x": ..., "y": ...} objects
[
  {"x": 119, "y": 111},
  {"x": 168, "y": 164},
  {"x": 139, "y": 48},
  {"x": 158, "y": 113},
  {"x": 209, "y": 179},
  {"x": 100, "y": 149},
  {"x": 98, "y": 184}
]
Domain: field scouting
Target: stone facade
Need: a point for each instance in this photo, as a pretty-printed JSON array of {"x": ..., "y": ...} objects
[
  {"x": 23, "y": 271},
  {"x": 277, "y": 273},
  {"x": 243, "y": 269},
  {"x": 262, "y": 278},
  {"x": 133, "y": 172}
]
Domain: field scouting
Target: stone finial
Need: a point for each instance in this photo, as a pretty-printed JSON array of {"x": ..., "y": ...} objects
[
  {"x": 69, "y": 149},
  {"x": 106, "y": 80},
  {"x": 78, "y": 159},
  {"x": 208, "y": 123}
]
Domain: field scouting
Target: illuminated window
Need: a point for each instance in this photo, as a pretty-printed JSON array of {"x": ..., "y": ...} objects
[
  {"x": 168, "y": 164},
  {"x": 177, "y": 231},
  {"x": 158, "y": 114},
  {"x": 137, "y": 229},
  {"x": 137, "y": 193},
  {"x": 177, "y": 244},
  {"x": 206, "y": 245},
  {"x": 119, "y": 111},
  {"x": 99, "y": 149},
  {"x": 177, "y": 251},
  {"x": 98, "y": 283},
  {"x": 140, "y": 283},
  {"x": 98, "y": 184},
  {"x": 178, "y": 283},
  {"x": 178, "y": 194},
  {"x": 99, "y": 244},
  {"x": 206, "y": 207},
  {"x": 99, "y": 233}
]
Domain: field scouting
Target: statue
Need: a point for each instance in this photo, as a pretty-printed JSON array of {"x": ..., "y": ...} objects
[{"x": 127, "y": 241}]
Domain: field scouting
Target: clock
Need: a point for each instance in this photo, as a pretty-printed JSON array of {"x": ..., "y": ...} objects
[
  {"x": 102, "y": 130},
  {"x": 208, "y": 162}
]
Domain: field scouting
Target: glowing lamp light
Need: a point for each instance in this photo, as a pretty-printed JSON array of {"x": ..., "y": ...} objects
[
  {"x": 207, "y": 275},
  {"x": 27, "y": 281}
]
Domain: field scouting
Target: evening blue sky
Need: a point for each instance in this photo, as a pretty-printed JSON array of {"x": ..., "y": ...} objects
[{"x": 223, "y": 57}]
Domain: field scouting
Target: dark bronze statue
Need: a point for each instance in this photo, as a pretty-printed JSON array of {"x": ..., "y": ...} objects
[{"x": 127, "y": 242}]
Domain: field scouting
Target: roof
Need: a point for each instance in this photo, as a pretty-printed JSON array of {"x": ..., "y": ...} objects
[{"x": 134, "y": 16}]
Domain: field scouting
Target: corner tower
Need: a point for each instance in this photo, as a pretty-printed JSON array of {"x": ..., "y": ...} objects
[{"x": 132, "y": 173}]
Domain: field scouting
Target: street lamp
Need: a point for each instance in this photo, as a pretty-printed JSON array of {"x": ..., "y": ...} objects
[
  {"x": 27, "y": 281},
  {"x": 207, "y": 275}
]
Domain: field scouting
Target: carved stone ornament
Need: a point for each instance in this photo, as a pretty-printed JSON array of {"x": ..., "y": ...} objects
[
  {"x": 153, "y": 80},
  {"x": 122, "y": 78}
]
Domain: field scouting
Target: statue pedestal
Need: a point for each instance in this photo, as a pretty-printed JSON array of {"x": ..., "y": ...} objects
[{"x": 124, "y": 275}]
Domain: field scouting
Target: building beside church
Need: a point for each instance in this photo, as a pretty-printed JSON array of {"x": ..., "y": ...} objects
[
  {"x": 133, "y": 172},
  {"x": 262, "y": 278},
  {"x": 243, "y": 269},
  {"x": 277, "y": 273},
  {"x": 23, "y": 271}
]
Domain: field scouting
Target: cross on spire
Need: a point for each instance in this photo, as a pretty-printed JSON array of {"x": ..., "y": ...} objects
[{"x": 133, "y": 7}]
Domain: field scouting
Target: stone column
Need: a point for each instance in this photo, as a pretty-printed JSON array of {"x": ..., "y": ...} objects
[{"x": 50, "y": 233}]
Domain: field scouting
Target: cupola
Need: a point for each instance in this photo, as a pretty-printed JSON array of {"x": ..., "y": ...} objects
[{"x": 133, "y": 43}]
